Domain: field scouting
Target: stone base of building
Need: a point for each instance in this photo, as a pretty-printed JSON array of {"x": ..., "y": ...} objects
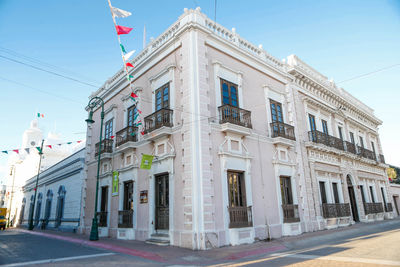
[
  {"x": 389, "y": 215},
  {"x": 333, "y": 223},
  {"x": 290, "y": 229},
  {"x": 103, "y": 232},
  {"x": 238, "y": 236},
  {"x": 374, "y": 217},
  {"x": 126, "y": 233}
]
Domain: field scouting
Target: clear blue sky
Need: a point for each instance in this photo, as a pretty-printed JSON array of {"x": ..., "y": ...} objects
[{"x": 341, "y": 39}]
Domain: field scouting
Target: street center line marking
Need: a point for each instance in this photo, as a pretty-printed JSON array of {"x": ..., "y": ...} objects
[{"x": 56, "y": 260}]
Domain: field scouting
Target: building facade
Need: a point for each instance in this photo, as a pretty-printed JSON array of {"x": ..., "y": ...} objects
[
  {"x": 235, "y": 157},
  {"x": 59, "y": 195}
]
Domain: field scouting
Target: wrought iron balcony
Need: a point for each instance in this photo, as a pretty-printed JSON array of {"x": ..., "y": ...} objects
[
  {"x": 335, "y": 210},
  {"x": 290, "y": 213},
  {"x": 388, "y": 207},
  {"x": 125, "y": 219},
  {"x": 128, "y": 134},
  {"x": 371, "y": 208},
  {"x": 382, "y": 159},
  {"x": 240, "y": 217},
  {"x": 158, "y": 119},
  {"x": 106, "y": 146},
  {"x": 365, "y": 153},
  {"x": 280, "y": 129},
  {"x": 326, "y": 139},
  {"x": 234, "y": 115},
  {"x": 350, "y": 147},
  {"x": 102, "y": 215}
]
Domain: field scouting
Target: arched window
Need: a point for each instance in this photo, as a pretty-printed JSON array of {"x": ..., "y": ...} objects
[
  {"x": 31, "y": 209},
  {"x": 21, "y": 215},
  {"x": 60, "y": 205},
  {"x": 47, "y": 210},
  {"x": 38, "y": 208}
]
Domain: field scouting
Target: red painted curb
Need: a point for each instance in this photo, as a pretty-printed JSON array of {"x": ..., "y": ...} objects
[
  {"x": 254, "y": 252},
  {"x": 99, "y": 244}
]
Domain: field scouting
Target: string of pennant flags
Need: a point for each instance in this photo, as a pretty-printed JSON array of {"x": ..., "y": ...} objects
[
  {"x": 122, "y": 30},
  {"x": 28, "y": 149}
]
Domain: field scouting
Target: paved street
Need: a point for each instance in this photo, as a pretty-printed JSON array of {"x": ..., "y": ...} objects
[{"x": 360, "y": 245}]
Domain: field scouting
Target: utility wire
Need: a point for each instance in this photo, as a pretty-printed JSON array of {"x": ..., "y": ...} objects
[
  {"x": 369, "y": 73},
  {"x": 40, "y": 90},
  {"x": 39, "y": 62},
  {"x": 51, "y": 72}
]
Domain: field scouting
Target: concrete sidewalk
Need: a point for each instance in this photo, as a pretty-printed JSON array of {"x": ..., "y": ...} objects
[{"x": 174, "y": 255}]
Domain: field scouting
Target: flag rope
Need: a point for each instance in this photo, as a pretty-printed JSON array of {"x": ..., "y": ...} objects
[
  {"x": 128, "y": 76},
  {"x": 27, "y": 149}
]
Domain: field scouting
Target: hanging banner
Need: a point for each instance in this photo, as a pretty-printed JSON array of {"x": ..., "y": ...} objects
[
  {"x": 147, "y": 160},
  {"x": 115, "y": 183}
]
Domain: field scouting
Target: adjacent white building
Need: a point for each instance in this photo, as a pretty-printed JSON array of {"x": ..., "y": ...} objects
[
  {"x": 59, "y": 195},
  {"x": 24, "y": 165}
]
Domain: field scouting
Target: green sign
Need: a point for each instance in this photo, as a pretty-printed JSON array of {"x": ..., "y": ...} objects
[
  {"x": 115, "y": 181},
  {"x": 147, "y": 160}
]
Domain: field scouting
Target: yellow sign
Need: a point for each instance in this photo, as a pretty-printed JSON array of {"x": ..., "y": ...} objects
[{"x": 115, "y": 183}]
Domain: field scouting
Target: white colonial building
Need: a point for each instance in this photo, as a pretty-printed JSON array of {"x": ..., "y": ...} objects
[
  {"x": 246, "y": 147},
  {"x": 59, "y": 195}
]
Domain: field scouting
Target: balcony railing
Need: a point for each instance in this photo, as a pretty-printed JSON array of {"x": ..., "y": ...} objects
[
  {"x": 280, "y": 129},
  {"x": 326, "y": 139},
  {"x": 335, "y": 210},
  {"x": 371, "y": 208},
  {"x": 234, "y": 115},
  {"x": 125, "y": 219},
  {"x": 382, "y": 159},
  {"x": 290, "y": 213},
  {"x": 388, "y": 207},
  {"x": 102, "y": 215},
  {"x": 365, "y": 153},
  {"x": 240, "y": 217},
  {"x": 106, "y": 146},
  {"x": 350, "y": 147},
  {"x": 128, "y": 134},
  {"x": 158, "y": 119},
  {"x": 323, "y": 138}
]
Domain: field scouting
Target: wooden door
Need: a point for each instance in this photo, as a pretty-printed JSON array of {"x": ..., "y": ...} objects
[
  {"x": 162, "y": 202},
  {"x": 353, "y": 203}
]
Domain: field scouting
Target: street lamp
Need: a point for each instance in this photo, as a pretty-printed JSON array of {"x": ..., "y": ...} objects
[{"x": 96, "y": 101}]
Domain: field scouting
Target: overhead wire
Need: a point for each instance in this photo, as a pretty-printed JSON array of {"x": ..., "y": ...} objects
[
  {"x": 45, "y": 64},
  {"x": 369, "y": 73},
  {"x": 48, "y": 71},
  {"x": 40, "y": 90}
]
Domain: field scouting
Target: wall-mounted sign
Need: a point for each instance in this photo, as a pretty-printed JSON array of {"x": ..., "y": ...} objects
[
  {"x": 147, "y": 160},
  {"x": 115, "y": 181},
  {"x": 143, "y": 196}
]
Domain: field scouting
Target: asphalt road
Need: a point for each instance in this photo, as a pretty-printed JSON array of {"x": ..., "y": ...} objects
[
  {"x": 22, "y": 249},
  {"x": 360, "y": 245}
]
